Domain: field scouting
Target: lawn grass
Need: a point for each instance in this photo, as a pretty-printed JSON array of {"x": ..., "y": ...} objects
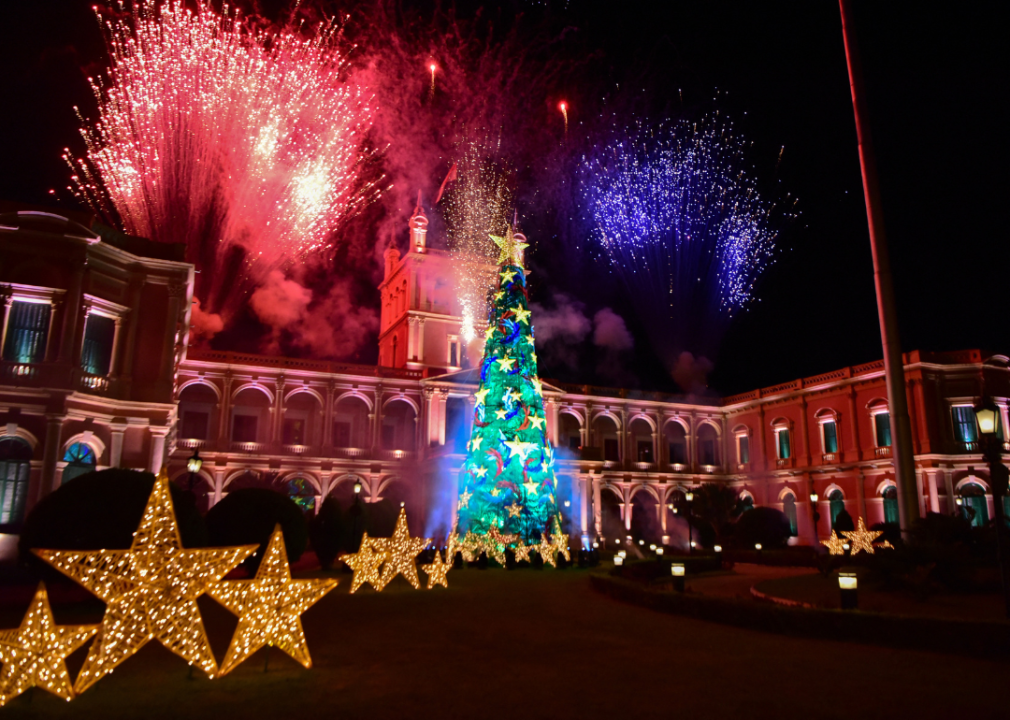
[{"x": 525, "y": 644}]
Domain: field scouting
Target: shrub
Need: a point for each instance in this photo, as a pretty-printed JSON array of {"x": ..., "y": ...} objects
[
  {"x": 101, "y": 511},
  {"x": 326, "y": 532},
  {"x": 843, "y": 522},
  {"x": 248, "y": 517},
  {"x": 764, "y": 525}
]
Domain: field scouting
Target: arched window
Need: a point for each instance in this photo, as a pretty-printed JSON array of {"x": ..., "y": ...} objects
[
  {"x": 890, "y": 495},
  {"x": 302, "y": 492},
  {"x": 837, "y": 501},
  {"x": 789, "y": 508},
  {"x": 745, "y": 503},
  {"x": 15, "y": 467},
  {"x": 80, "y": 459},
  {"x": 973, "y": 504}
]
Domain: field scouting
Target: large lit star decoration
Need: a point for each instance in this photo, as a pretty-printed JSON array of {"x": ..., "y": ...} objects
[
  {"x": 522, "y": 551},
  {"x": 33, "y": 655},
  {"x": 401, "y": 549},
  {"x": 269, "y": 607},
  {"x": 510, "y": 251},
  {"x": 560, "y": 541},
  {"x": 437, "y": 571},
  {"x": 835, "y": 544},
  {"x": 862, "y": 539},
  {"x": 365, "y": 563},
  {"x": 547, "y": 550},
  {"x": 149, "y": 590},
  {"x": 495, "y": 542}
]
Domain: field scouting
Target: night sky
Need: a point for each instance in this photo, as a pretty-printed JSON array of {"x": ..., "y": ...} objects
[{"x": 932, "y": 76}]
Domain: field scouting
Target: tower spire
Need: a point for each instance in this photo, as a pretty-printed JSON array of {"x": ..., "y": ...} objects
[{"x": 418, "y": 227}]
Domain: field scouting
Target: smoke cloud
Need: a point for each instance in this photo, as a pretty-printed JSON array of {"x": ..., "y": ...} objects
[
  {"x": 560, "y": 330},
  {"x": 204, "y": 325},
  {"x": 692, "y": 373}
]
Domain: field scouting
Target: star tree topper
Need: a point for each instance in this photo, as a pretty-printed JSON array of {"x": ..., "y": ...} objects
[
  {"x": 150, "y": 590},
  {"x": 269, "y": 607},
  {"x": 509, "y": 248},
  {"x": 33, "y": 655}
]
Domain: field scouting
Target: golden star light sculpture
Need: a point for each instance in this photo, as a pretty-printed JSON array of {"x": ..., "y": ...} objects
[
  {"x": 33, "y": 655},
  {"x": 861, "y": 538},
  {"x": 834, "y": 544},
  {"x": 149, "y": 590},
  {"x": 401, "y": 551},
  {"x": 547, "y": 550},
  {"x": 365, "y": 564},
  {"x": 438, "y": 570},
  {"x": 269, "y": 607},
  {"x": 560, "y": 541}
]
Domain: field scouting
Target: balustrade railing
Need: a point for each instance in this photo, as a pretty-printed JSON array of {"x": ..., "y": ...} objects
[{"x": 882, "y": 452}]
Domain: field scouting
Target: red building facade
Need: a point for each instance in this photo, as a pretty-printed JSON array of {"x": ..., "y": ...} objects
[{"x": 86, "y": 384}]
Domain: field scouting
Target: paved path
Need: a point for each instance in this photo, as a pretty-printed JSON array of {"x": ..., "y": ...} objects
[
  {"x": 530, "y": 644},
  {"x": 737, "y": 584}
]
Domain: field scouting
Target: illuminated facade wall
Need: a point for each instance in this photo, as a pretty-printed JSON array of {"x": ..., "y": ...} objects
[{"x": 315, "y": 428}]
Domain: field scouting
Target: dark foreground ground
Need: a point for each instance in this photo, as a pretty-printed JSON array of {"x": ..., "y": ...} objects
[{"x": 529, "y": 644}]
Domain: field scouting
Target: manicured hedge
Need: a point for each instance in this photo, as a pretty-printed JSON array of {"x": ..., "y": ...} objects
[{"x": 248, "y": 517}]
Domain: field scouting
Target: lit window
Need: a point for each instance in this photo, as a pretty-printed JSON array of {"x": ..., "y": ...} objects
[
  {"x": 15, "y": 467},
  {"x": 974, "y": 506},
  {"x": 830, "y": 431},
  {"x": 782, "y": 440},
  {"x": 27, "y": 332},
  {"x": 965, "y": 430},
  {"x": 743, "y": 449},
  {"x": 96, "y": 351},
  {"x": 882, "y": 426},
  {"x": 890, "y": 496},
  {"x": 789, "y": 508},
  {"x": 80, "y": 459}
]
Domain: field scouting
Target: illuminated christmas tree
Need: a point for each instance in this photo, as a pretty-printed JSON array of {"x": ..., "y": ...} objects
[{"x": 507, "y": 484}]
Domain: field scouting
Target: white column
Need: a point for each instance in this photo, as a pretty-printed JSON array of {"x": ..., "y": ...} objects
[
  {"x": 443, "y": 399},
  {"x": 597, "y": 510},
  {"x": 583, "y": 508},
  {"x": 420, "y": 339},
  {"x": 934, "y": 501},
  {"x": 158, "y": 435},
  {"x": 116, "y": 446}
]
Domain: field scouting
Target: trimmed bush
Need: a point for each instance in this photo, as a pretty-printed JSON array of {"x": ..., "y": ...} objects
[
  {"x": 764, "y": 525},
  {"x": 843, "y": 522},
  {"x": 326, "y": 532},
  {"x": 101, "y": 511},
  {"x": 248, "y": 517}
]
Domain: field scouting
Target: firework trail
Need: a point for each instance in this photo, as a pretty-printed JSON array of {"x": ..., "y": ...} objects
[
  {"x": 563, "y": 107},
  {"x": 243, "y": 143},
  {"x": 682, "y": 225},
  {"x": 478, "y": 204}
]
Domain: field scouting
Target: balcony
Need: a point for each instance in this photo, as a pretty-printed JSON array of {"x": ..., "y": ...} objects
[
  {"x": 678, "y": 467},
  {"x": 829, "y": 458},
  {"x": 348, "y": 452},
  {"x": 17, "y": 373},
  {"x": 248, "y": 447},
  {"x": 93, "y": 383},
  {"x": 784, "y": 462},
  {"x": 882, "y": 452},
  {"x": 398, "y": 454},
  {"x": 644, "y": 466},
  {"x": 191, "y": 443}
]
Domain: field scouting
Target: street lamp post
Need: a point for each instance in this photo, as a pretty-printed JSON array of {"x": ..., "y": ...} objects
[
  {"x": 987, "y": 417},
  {"x": 689, "y": 496},
  {"x": 815, "y": 515},
  {"x": 193, "y": 465}
]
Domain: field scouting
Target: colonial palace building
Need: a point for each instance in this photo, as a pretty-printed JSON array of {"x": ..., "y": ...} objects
[{"x": 97, "y": 372}]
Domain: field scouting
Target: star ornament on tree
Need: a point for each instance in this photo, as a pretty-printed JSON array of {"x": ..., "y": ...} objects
[
  {"x": 269, "y": 607},
  {"x": 149, "y": 591},
  {"x": 547, "y": 550},
  {"x": 34, "y": 654},
  {"x": 402, "y": 549}
]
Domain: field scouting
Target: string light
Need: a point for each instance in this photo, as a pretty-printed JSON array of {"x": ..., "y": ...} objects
[
  {"x": 269, "y": 607},
  {"x": 547, "y": 550},
  {"x": 34, "y": 654},
  {"x": 437, "y": 571},
  {"x": 862, "y": 539},
  {"x": 149, "y": 590},
  {"x": 401, "y": 551},
  {"x": 834, "y": 544},
  {"x": 365, "y": 564}
]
